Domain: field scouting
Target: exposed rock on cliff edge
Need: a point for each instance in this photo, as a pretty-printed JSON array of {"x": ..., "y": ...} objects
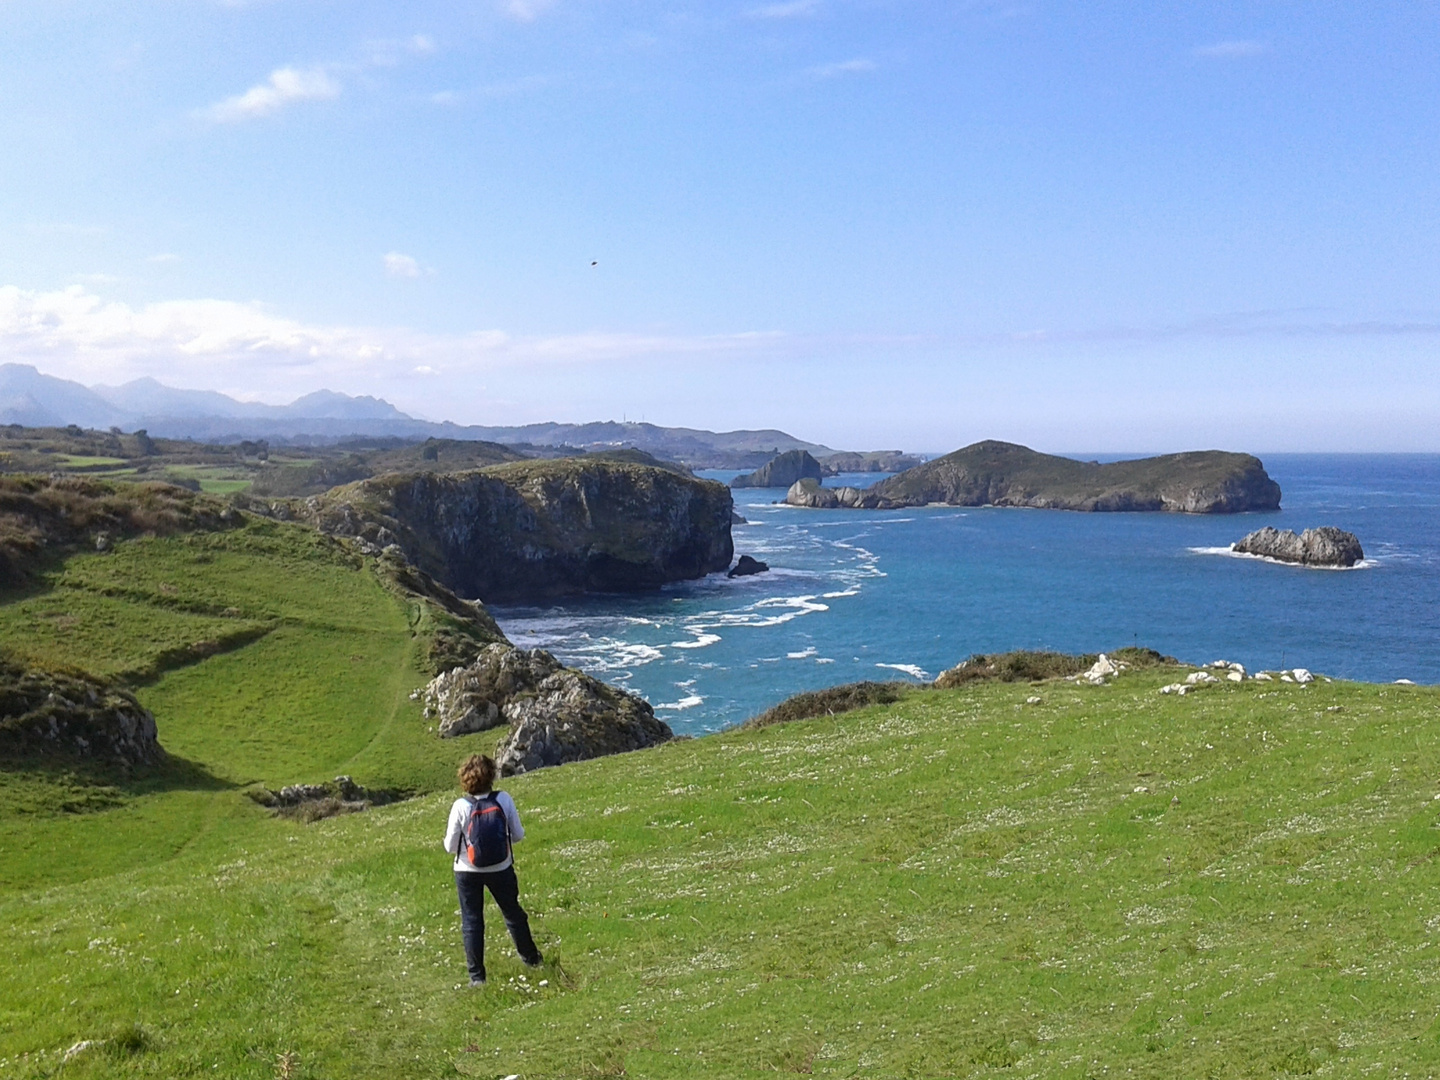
[
  {"x": 556, "y": 715},
  {"x": 1003, "y": 474},
  {"x": 1325, "y": 546}
]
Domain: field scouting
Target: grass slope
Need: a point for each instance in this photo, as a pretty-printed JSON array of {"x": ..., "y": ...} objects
[
  {"x": 1239, "y": 882},
  {"x": 268, "y": 654}
]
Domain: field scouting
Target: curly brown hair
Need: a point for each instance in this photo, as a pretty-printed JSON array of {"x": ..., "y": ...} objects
[{"x": 477, "y": 774}]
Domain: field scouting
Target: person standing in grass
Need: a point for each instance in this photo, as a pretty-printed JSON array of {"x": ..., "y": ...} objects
[{"x": 483, "y": 825}]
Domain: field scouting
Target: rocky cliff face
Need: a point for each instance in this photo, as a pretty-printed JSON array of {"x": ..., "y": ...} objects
[
  {"x": 47, "y": 714},
  {"x": 531, "y": 530},
  {"x": 781, "y": 471},
  {"x": 1004, "y": 474},
  {"x": 1325, "y": 546}
]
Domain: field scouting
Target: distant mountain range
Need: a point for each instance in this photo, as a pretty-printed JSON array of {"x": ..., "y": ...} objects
[{"x": 30, "y": 397}]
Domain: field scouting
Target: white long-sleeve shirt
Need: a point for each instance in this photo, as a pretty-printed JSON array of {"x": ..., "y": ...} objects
[{"x": 455, "y": 832}]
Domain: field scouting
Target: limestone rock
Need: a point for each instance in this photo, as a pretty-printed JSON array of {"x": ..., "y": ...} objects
[
  {"x": 746, "y": 566},
  {"x": 556, "y": 714},
  {"x": 470, "y": 699},
  {"x": 781, "y": 471},
  {"x": 573, "y": 717},
  {"x": 810, "y": 494},
  {"x": 1325, "y": 546}
]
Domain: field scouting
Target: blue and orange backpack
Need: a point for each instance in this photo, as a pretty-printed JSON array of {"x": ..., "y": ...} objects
[{"x": 485, "y": 840}]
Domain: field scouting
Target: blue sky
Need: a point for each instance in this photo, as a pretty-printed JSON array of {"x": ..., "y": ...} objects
[{"x": 875, "y": 223}]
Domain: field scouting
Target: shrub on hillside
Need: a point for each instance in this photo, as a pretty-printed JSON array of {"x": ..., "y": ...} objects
[
  {"x": 48, "y": 514},
  {"x": 1024, "y": 665},
  {"x": 830, "y": 702}
]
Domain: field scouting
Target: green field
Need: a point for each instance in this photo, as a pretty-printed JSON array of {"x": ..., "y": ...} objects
[{"x": 1240, "y": 882}]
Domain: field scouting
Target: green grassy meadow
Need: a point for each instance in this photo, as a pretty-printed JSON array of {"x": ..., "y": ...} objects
[{"x": 1110, "y": 882}]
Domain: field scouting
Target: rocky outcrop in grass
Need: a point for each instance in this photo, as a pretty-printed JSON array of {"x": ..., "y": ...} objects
[
  {"x": 50, "y": 715},
  {"x": 555, "y": 714},
  {"x": 1325, "y": 546},
  {"x": 531, "y": 530},
  {"x": 995, "y": 473}
]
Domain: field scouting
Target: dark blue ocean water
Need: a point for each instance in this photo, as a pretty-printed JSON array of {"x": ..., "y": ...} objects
[{"x": 885, "y": 594}]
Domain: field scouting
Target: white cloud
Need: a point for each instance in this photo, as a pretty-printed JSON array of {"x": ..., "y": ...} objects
[
  {"x": 163, "y": 257},
  {"x": 400, "y": 266},
  {"x": 77, "y": 334},
  {"x": 1228, "y": 50},
  {"x": 527, "y": 10},
  {"x": 791, "y": 9},
  {"x": 285, "y": 86},
  {"x": 858, "y": 66}
]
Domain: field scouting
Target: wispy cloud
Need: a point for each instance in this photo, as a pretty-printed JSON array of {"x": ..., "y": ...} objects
[
  {"x": 388, "y": 52},
  {"x": 292, "y": 85},
  {"x": 791, "y": 9},
  {"x": 163, "y": 257},
  {"x": 401, "y": 266},
  {"x": 79, "y": 334},
  {"x": 527, "y": 10},
  {"x": 858, "y": 66},
  {"x": 285, "y": 86},
  {"x": 1231, "y": 50}
]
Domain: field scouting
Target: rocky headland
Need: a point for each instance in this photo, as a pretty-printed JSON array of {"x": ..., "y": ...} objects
[
  {"x": 1325, "y": 546},
  {"x": 532, "y": 530},
  {"x": 781, "y": 471},
  {"x": 995, "y": 473}
]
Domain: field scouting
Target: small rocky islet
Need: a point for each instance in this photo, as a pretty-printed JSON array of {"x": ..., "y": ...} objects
[{"x": 1326, "y": 546}]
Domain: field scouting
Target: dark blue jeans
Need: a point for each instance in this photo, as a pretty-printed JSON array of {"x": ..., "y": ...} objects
[{"x": 506, "y": 890}]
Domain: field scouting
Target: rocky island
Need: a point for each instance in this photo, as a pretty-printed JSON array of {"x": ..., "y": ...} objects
[
  {"x": 869, "y": 461},
  {"x": 529, "y": 530},
  {"x": 993, "y": 473},
  {"x": 1325, "y": 546},
  {"x": 781, "y": 471}
]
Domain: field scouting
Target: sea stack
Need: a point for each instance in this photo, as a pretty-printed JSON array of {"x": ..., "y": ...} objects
[
  {"x": 748, "y": 565},
  {"x": 782, "y": 470},
  {"x": 1325, "y": 546}
]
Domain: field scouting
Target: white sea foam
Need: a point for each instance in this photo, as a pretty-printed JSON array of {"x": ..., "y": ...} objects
[
  {"x": 853, "y": 590},
  {"x": 1363, "y": 564},
  {"x": 684, "y": 703},
  {"x": 909, "y": 669},
  {"x": 803, "y": 654},
  {"x": 700, "y": 641}
]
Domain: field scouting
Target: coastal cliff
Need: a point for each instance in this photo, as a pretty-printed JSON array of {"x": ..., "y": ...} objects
[
  {"x": 532, "y": 530},
  {"x": 993, "y": 473}
]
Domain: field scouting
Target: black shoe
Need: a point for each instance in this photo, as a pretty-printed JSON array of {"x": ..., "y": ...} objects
[{"x": 535, "y": 962}]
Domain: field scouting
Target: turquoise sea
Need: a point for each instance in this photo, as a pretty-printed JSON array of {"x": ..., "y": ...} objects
[{"x": 883, "y": 594}]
